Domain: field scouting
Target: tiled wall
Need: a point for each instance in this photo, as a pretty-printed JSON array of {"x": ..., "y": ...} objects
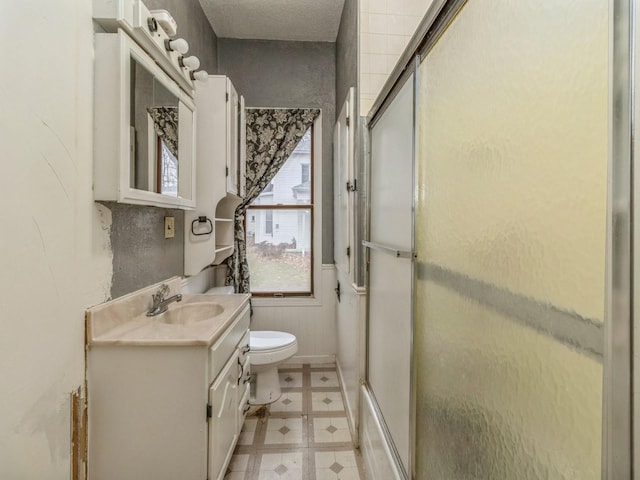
[{"x": 386, "y": 26}]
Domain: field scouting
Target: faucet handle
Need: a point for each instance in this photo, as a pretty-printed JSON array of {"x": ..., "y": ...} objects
[{"x": 160, "y": 295}]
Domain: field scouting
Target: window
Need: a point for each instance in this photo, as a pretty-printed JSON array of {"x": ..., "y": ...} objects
[
  {"x": 280, "y": 234},
  {"x": 268, "y": 223}
]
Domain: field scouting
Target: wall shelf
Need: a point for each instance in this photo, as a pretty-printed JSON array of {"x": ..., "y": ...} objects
[{"x": 222, "y": 252}]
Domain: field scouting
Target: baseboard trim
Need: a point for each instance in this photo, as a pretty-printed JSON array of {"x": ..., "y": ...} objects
[
  {"x": 300, "y": 359},
  {"x": 351, "y": 418}
]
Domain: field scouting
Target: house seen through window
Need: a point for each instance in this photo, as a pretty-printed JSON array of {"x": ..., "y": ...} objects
[{"x": 279, "y": 228}]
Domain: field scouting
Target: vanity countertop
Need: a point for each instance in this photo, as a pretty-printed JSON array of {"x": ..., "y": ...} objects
[{"x": 123, "y": 322}]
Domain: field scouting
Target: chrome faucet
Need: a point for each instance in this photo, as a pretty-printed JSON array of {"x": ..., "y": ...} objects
[{"x": 160, "y": 303}]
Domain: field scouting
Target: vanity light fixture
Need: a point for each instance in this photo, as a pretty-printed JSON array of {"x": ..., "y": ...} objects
[
  {"x": 192, "y": 62},
  {"x": 201, "y": 75},
  {"x": 180, "y": 45}
]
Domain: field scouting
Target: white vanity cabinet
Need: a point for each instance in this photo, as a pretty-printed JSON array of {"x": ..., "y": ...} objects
[
  {"x": 228, "y": 395},
  {"x": 166, "y": 411}
]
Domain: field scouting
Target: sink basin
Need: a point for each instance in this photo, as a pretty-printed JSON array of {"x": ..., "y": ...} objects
[{"x": 189, "y": 313}]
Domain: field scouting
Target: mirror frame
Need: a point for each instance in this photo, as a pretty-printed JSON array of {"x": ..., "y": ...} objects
[{"x": 112, "y": 138}]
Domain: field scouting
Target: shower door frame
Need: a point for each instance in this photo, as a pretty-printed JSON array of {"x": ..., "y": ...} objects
[
  {"x": 619, "y": 424},
  {"x": 408, "y": 74}
]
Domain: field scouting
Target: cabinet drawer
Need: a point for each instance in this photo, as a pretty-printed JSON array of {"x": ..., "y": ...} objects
[{"x": 223, "y": 348}]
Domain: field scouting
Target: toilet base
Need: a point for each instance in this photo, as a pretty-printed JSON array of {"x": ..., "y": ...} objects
[{"x": 265, "y": 388}]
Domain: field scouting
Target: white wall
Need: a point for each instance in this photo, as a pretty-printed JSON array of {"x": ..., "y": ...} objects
[{"x": 55, "y": 257}]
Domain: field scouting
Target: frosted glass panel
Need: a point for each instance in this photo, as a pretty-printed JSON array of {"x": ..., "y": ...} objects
[
  {"x": 510, "y": 237},
  {"x": 392, "y": 172},
  {"x": 499, "y": 400},
  {"x": 515, "y": 107},
  {"x": 390, "y": 343},
  {"x": 389, "y": 318}
]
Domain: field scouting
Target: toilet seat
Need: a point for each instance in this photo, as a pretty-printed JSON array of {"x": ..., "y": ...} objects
[
  {"x": 267, "y": 340},
  {"x": 270, "y": 347}
]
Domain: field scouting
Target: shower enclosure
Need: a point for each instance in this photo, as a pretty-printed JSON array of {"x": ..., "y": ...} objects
[{"x": 516, "y": 121}]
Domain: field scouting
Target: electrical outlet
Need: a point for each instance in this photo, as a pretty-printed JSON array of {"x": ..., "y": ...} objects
[{"x": 169, "y": 227}]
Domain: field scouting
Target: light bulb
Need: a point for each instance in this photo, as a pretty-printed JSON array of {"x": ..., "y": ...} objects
[
  {"x": 192, "y": 63},
  {"x": 201, "y": 75},
  {"x": 180, "y": 45}
]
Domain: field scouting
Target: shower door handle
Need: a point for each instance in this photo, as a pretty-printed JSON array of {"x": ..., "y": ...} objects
[{"x": 389, "y": 250}]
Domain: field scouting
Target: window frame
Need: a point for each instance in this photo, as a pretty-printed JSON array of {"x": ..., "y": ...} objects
[{"x": 311, "y": 207}]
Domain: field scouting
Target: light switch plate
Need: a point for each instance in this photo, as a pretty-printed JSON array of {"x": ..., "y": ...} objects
[{"x": 169, "y": 227}]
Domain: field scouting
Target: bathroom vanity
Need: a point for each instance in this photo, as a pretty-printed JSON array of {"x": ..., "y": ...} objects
[{"x": 167, "y": 395}]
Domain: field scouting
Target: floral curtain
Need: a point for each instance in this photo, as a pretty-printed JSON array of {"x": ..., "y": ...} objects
[
  {"x": 272, "y": 134},
  {"x": 165, "y": 123}
]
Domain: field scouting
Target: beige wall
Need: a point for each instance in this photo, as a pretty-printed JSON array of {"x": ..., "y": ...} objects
[{"x": 55, "y": 255}]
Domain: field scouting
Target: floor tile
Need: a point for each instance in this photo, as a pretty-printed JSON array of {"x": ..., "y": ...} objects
[
  {"x": 324, "y": 379},
  {"x": 331, "y": 430},
  {"x": 281, "y": 466},
  {"x": 238, "y": 468},
  {"x": 326, "y": 402},
  {"x": 290, "y": 379},
  {"x": 303, "y": 436},
  {"x": 284, "y": 431},
  {"x": 288, "y": 402},
  {"x": 336, "y": 465},
  {"x": 248, "y": 433}
]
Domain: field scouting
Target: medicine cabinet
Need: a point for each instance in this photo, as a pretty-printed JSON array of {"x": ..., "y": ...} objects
[{"x": 144, "y": 129}]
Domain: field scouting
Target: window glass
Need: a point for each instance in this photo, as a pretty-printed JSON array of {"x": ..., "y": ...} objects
[{"x": 279, "y": 228}]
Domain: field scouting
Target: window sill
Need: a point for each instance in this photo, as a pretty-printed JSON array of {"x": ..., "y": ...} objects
[{"x": 310, "y": 301}]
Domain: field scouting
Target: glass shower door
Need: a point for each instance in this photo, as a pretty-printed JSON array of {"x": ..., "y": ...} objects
[
  {"x": 389, "y": 320},
  {"x": 510, "y": 241}
]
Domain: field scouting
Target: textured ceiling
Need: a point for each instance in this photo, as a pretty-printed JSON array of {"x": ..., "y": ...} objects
[{"x": 299, "y": 20}]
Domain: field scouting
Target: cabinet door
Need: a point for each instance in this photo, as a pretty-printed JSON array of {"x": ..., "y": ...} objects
[
  {"x": 223, "y": 425},
  {"x": 242, "y": 149},
  {"x": 344, "y": 182},
  {"x": 233, "y": 109}
]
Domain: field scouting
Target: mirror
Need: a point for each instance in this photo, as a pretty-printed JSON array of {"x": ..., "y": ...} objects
[
  {"x": 154, "y": 131},
  {"x": 144, "y": 146}
]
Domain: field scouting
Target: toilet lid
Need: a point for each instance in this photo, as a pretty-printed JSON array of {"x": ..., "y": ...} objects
[
  {"x": 267, "y": 340},
  {"x": 221, "y": 290}
]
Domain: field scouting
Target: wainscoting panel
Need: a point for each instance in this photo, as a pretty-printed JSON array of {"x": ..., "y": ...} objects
[
  {"x": 312, "y": 321},
  {"x": 350, "y": 358}
]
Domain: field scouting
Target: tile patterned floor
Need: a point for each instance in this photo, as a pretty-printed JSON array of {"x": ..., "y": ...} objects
[{"x": 302, "y": 436}]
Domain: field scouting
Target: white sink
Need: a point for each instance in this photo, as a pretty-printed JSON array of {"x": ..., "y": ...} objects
[{"x": 189, "y": 313}]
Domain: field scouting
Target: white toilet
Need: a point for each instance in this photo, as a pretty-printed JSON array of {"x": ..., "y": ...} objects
[{"x": 268, "y": 349}]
